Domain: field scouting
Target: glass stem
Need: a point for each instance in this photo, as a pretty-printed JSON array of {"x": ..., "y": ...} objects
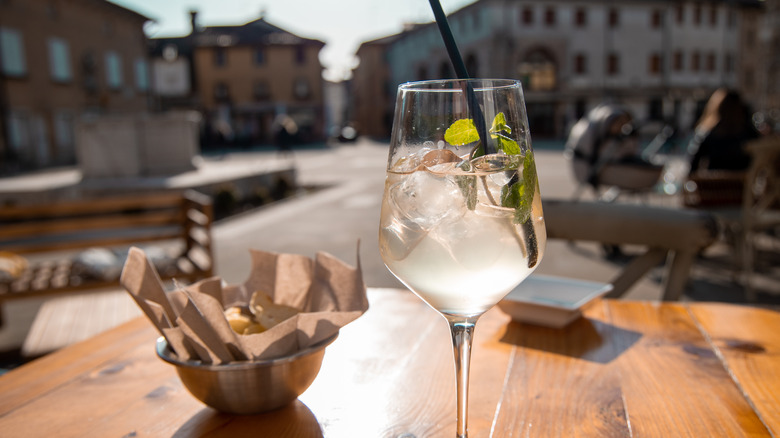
[{"x": 462, "y": 334}]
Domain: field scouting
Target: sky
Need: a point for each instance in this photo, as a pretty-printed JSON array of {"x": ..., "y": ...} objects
[{"x": 341, "y": 24}]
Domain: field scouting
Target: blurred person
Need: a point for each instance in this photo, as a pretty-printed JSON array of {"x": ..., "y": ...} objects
[
  {"x": 284, "y": 131},
  {"x": 721, "y": 133},
  {"x": 605, "y": 150}
]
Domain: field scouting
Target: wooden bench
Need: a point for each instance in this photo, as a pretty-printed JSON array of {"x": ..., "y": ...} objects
[
  {"x": 671, "y": 235},
  {"x": 53, "y": 238}
]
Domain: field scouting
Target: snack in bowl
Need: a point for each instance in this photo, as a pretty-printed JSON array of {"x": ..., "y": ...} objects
[
  {"x": 240, "y": 322},
  {"x": 263, "y": 314},
  {"x": 249, "y": 387},
  {"x": 267, "y": 313},
  {"x": 254, "y": 346}
]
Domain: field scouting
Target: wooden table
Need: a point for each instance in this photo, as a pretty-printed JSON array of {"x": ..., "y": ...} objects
[{"x": 629, "y": 369}]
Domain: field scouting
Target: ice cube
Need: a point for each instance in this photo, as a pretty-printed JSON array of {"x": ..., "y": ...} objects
[
  {"x": 399, "y": 237},
  {"x": 498, "y": 171},
  {"x": 474, "y": 242},
  {"x": 427, "y": 199},
  {"x": 407, "y": 159},
  {"x": 496, "y": 162}
]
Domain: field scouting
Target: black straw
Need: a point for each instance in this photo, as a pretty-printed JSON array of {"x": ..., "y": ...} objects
[
  {"x": 462, "y": 73},
  {"x": 479, "y": 117},
  {"x": 449, "y": 41}
]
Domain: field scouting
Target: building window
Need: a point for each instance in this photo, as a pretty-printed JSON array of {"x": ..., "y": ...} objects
[
  {"x": 18, "y": 131},
  {"x": 710, "y": 62},
  {"x": 472, "y": 65},
  {"x": 59, "y": 60},
  {"x": 697, "y": 14},
  {"x": 549, "y": 16},
  {"x": 12, "y": 51},
  {"x": 677, "y": 61},
  {"x": 141, "y": 75},
  {"x": 220, "y": 57},
  {"x": 475, "y": 21},
  {"x": 113, "y": 70},
  {"x": 261, "y": 91},
  {"x": 655, "y": 110},
  {"x": 52, "y": 11},
  {"x": 613, "y": 17},
  {"x": 580, "y": 64},
  {"x": 731, "y": 19},
  {"x": 580, "y": 17},
  {"x": 301, "y": 89},
  {"x": 728, "y": 63},
  {"x": 657, "y": 19},
  {"x": 445, "y": 70},
  {"x": 695, "y": 61},
  {"x": 714, "y": 15},
  {"x": 680, "y": 13},
  {"x": 750, "y": 36},
  {"x": 538, "y": 71},
  {"x": 259, "y": 57},
  {"x": 300, "y": 55},
  {"x": 580, "y": 108},
  {"x": 221, "y": 92},
  {"x": 613, "y": 64},
  {"x": 63, "y": 129},
  {"x": 749, "y": 79},
  {"x": 422, "y": 73},
  {"x": 527, "y": 15},
  {"x": 655, "y": 64},
  {"x": 89, "y": 72}
]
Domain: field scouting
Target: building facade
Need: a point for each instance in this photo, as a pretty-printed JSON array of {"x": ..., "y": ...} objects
[
  {"x": 61, "y": 60},
  {"x": 242, "y": 78},
  {"x": 662, "y": 59},
  {"x": 372, "y": 100}
]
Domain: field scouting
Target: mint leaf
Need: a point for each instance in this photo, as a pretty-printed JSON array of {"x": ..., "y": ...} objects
[
  {"x": 500, "y": 131},
  {"x": 511, "y": 194},
  {"x": 461, "y": 132},
  {"x": 523, "y": 211},
  {"x": 499, "y": 124},
  {"x": 520, "y": 194},
  {"x": 529, "y": 174},
  {"x": 516, "y": 194},
  {"x": 468, "y": 186},
  {"x": 506, "y": 144}
]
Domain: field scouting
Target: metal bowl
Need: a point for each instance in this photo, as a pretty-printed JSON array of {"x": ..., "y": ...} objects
[{"x": 249, "y": 387}]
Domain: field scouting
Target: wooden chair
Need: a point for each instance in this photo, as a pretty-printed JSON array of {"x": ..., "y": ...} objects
[
  {"x": 760, "y": 210},
  {"x": 746, "y": 203}
]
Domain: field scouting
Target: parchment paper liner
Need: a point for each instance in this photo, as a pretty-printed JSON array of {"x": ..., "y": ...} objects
[{"x": 329, "y": 293}]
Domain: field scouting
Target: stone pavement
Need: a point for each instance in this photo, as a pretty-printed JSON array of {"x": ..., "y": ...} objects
[{"x": 345, "y": 209}]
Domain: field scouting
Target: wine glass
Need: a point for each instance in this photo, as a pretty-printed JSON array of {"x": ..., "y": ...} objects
[{"x": 461, "y": 222}]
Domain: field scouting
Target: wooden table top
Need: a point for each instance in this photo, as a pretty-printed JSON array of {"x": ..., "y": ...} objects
[{"x": 628, "y": 369}]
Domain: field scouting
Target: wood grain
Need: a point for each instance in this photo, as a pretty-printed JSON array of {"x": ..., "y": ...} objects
[
  {"x": 560, "y": 383},
  {"x": 628, "y": 369},
  {"x": 748, "y": 340},
  {"x": 673, "y": 381}
]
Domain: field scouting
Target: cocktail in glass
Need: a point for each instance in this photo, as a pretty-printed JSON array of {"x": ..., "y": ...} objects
[{"x": 461, "y": 222}]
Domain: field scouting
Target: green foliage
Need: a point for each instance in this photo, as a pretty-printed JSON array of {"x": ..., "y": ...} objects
[
  {"x": 463, "y": 132},
  {"x": 517, "y": 194},
  {"x": 468, "y": 186}
]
